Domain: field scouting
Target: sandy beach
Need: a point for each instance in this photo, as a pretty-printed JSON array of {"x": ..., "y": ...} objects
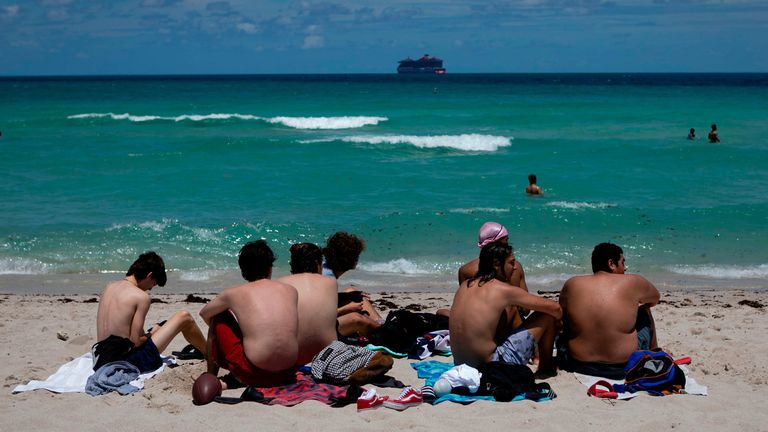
[{"x": 721, "y": 331}]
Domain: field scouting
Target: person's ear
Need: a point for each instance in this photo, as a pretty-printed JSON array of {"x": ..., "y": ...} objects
[{"x": 612, "y": 265}]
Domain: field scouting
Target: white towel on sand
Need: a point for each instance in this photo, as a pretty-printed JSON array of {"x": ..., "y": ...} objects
[
  {"x": 71, "y": 377},
  {"x": 691, "y": 386}
]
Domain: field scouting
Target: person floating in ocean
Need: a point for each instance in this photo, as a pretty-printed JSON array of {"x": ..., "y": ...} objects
[
  {"x": 480, "y": 329},
  {"x": 692, "y": 134},
  {"x": 606, "y": 316},
  {"x": 317, "y": 301},
  {"x": 341, "y": 252},
  {"x": 713, "y": 138},
  {"x": 123, "y": 307},
  {"x": 533, "y": 188},
  {"x": 253, "y": 328},
  {"x": 495, "y": 232}
]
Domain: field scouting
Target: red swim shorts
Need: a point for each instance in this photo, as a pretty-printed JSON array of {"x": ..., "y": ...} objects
[{"x": 229, "y": 354}]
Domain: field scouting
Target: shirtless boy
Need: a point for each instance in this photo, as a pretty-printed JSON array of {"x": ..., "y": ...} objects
[
  {"x": 480, "y": 329},
  {"x": 123, "y": 307},
  {"x": 494, "y": 232},
  {"x": 317, "y": 302},
  {"x": 606, "y": 315},
  {"x": 253, "y": 328}
]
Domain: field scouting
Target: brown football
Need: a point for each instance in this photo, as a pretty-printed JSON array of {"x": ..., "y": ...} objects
[{"x": 205, "y": 389}]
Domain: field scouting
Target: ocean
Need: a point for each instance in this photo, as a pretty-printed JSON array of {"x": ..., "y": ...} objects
[{"x": 96, "y": 170}]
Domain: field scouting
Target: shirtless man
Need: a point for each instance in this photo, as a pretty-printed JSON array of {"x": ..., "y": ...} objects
[
  {"x": 317, "y": 302},
  {"x": 123, "y": 307},
  {"x": 342, "y": 252},
  {"x": 480, "y": 329},
  {"x": 253, "y": 328},
  {"x": 533, "y": 188},
  {"x": 713, "y": 138},
  {"x": 494, "y": 232},
  {"x": 606, "y": 315}
]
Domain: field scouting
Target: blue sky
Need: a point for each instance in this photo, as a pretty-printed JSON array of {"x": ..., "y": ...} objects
[{"x": 76, "y": 37}]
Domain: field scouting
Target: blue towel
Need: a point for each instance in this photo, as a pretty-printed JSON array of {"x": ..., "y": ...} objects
[
  {"x": 115, "y": 376},
  {"x": 431, "y": 371}
]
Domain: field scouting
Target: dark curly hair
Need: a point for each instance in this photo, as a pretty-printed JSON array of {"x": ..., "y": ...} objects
[
  {"x": 342, "y": 251},
  {"x": 305, "y": 258},
  {"x": 149, "y": 262},
  {"x": 255, "y": 260}
]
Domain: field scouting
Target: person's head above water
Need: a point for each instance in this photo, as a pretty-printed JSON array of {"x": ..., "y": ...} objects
[{"x": 491, "y": 232}]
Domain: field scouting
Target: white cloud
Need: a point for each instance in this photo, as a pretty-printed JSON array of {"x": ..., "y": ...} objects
[
  {"x": 313, "y": 41},
  {"x": 10, "y": 11},
  {"x": 249, "y": 28}
]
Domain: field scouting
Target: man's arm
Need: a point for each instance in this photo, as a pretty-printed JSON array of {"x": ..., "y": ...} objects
[
  {"x": 214, "y": 307},
  {"x": 137, "y": 323},
  {"x": 647, "y": 292},
  {"x": 527, "y": 300}
]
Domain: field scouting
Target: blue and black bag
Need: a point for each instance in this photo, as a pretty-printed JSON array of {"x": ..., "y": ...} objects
[{"x": 652, "y": 371}]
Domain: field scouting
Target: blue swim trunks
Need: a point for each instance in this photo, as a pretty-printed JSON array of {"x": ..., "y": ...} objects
[
  {"x": 516, "y": 349},
  {"x": 146, "y": 357}
]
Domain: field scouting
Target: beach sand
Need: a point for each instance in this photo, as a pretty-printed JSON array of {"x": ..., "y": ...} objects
[{"x": 724, "y": 338}]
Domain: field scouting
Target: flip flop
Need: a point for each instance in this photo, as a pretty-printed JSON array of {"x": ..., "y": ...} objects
[{"x": 189, "y": 353}]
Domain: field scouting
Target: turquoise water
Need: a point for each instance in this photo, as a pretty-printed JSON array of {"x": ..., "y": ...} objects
[{"x": 97, "y": 170}]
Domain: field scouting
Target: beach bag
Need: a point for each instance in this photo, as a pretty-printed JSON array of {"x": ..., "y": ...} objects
[
  {"x": 339, "y": 363},
  {"x": 402, "y": 327},
  {"x": 652, "y": 371},
  {"x": 655, "y": 372},
  {"x": 506, "y": 381}
]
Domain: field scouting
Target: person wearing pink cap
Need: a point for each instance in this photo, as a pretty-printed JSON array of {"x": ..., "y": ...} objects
[{"x": 489, "y": 233}]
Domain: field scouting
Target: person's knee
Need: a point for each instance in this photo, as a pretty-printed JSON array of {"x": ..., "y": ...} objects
[{"x": 185, "y": 318}]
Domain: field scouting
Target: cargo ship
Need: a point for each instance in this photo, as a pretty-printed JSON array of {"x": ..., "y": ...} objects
[{"x": 425, "y": 65}]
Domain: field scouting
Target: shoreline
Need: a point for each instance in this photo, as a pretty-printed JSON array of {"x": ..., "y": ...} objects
[{"x": 214, "y": 281}]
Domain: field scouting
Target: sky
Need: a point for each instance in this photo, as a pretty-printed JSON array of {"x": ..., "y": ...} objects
[{"x": 128, "y": 37}]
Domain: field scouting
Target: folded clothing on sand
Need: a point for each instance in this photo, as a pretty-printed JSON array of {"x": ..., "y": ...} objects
[{"x": 341, "y": 363}]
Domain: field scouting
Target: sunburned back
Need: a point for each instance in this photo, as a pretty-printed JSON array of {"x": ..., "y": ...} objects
[
  {"x": 317, "y": 304},
  {"x": 266, "y": 311},
  {"x": 118, "y": 305},
  {"x": 477, "y": 318},
  {"x": 601, "y": 311}
]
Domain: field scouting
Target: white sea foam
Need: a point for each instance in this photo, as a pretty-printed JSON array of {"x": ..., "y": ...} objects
[
  {"x": 23, "y": 266},
  {"x": 579, "y": 205},
  {"x": 347, "y": 122},
  {"x": 401, "y": 266},
  {"x": 466, "y": 142},
  {"x": 199, "y": 275},
  {"x": 722, "y": 272},
  {"x": 479, "y": 210},
  {"x": 343, "y": 122}
]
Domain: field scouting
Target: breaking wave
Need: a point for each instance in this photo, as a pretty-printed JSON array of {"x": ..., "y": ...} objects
[
  {"x": 466, "y": 142},
  {"x": 579, "y": 205},
  {"x": 342, "y": 122},
  {"x": 722, "y": 272}
]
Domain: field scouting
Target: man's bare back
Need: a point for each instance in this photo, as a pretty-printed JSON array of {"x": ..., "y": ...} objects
[
  {"x": 267, "y": 314},
  {"x": 317, "y": 304},
  {"x": 122, "y": 310},
  {"x": 601, "y": 311},
  {"x": 516, "y": 279}
]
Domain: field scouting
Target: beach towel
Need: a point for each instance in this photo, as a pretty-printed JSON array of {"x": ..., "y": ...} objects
[
  {"x": 305, "y": 388},
  {"x": 431, "y": 370},
  {"x": 73, "y": 376},
  {"x": 691, "y": 386}
]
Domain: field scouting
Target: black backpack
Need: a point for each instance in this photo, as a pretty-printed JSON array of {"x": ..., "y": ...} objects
[
  {"x": 506, "y": 381},
  {"x": 402, "y": 327}
]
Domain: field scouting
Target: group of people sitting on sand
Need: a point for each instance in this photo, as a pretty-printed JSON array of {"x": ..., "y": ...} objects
[{"x": 263, "y": 330}]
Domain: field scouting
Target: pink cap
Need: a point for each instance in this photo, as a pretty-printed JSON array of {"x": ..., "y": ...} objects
[{"x": 490, "y": 232}]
